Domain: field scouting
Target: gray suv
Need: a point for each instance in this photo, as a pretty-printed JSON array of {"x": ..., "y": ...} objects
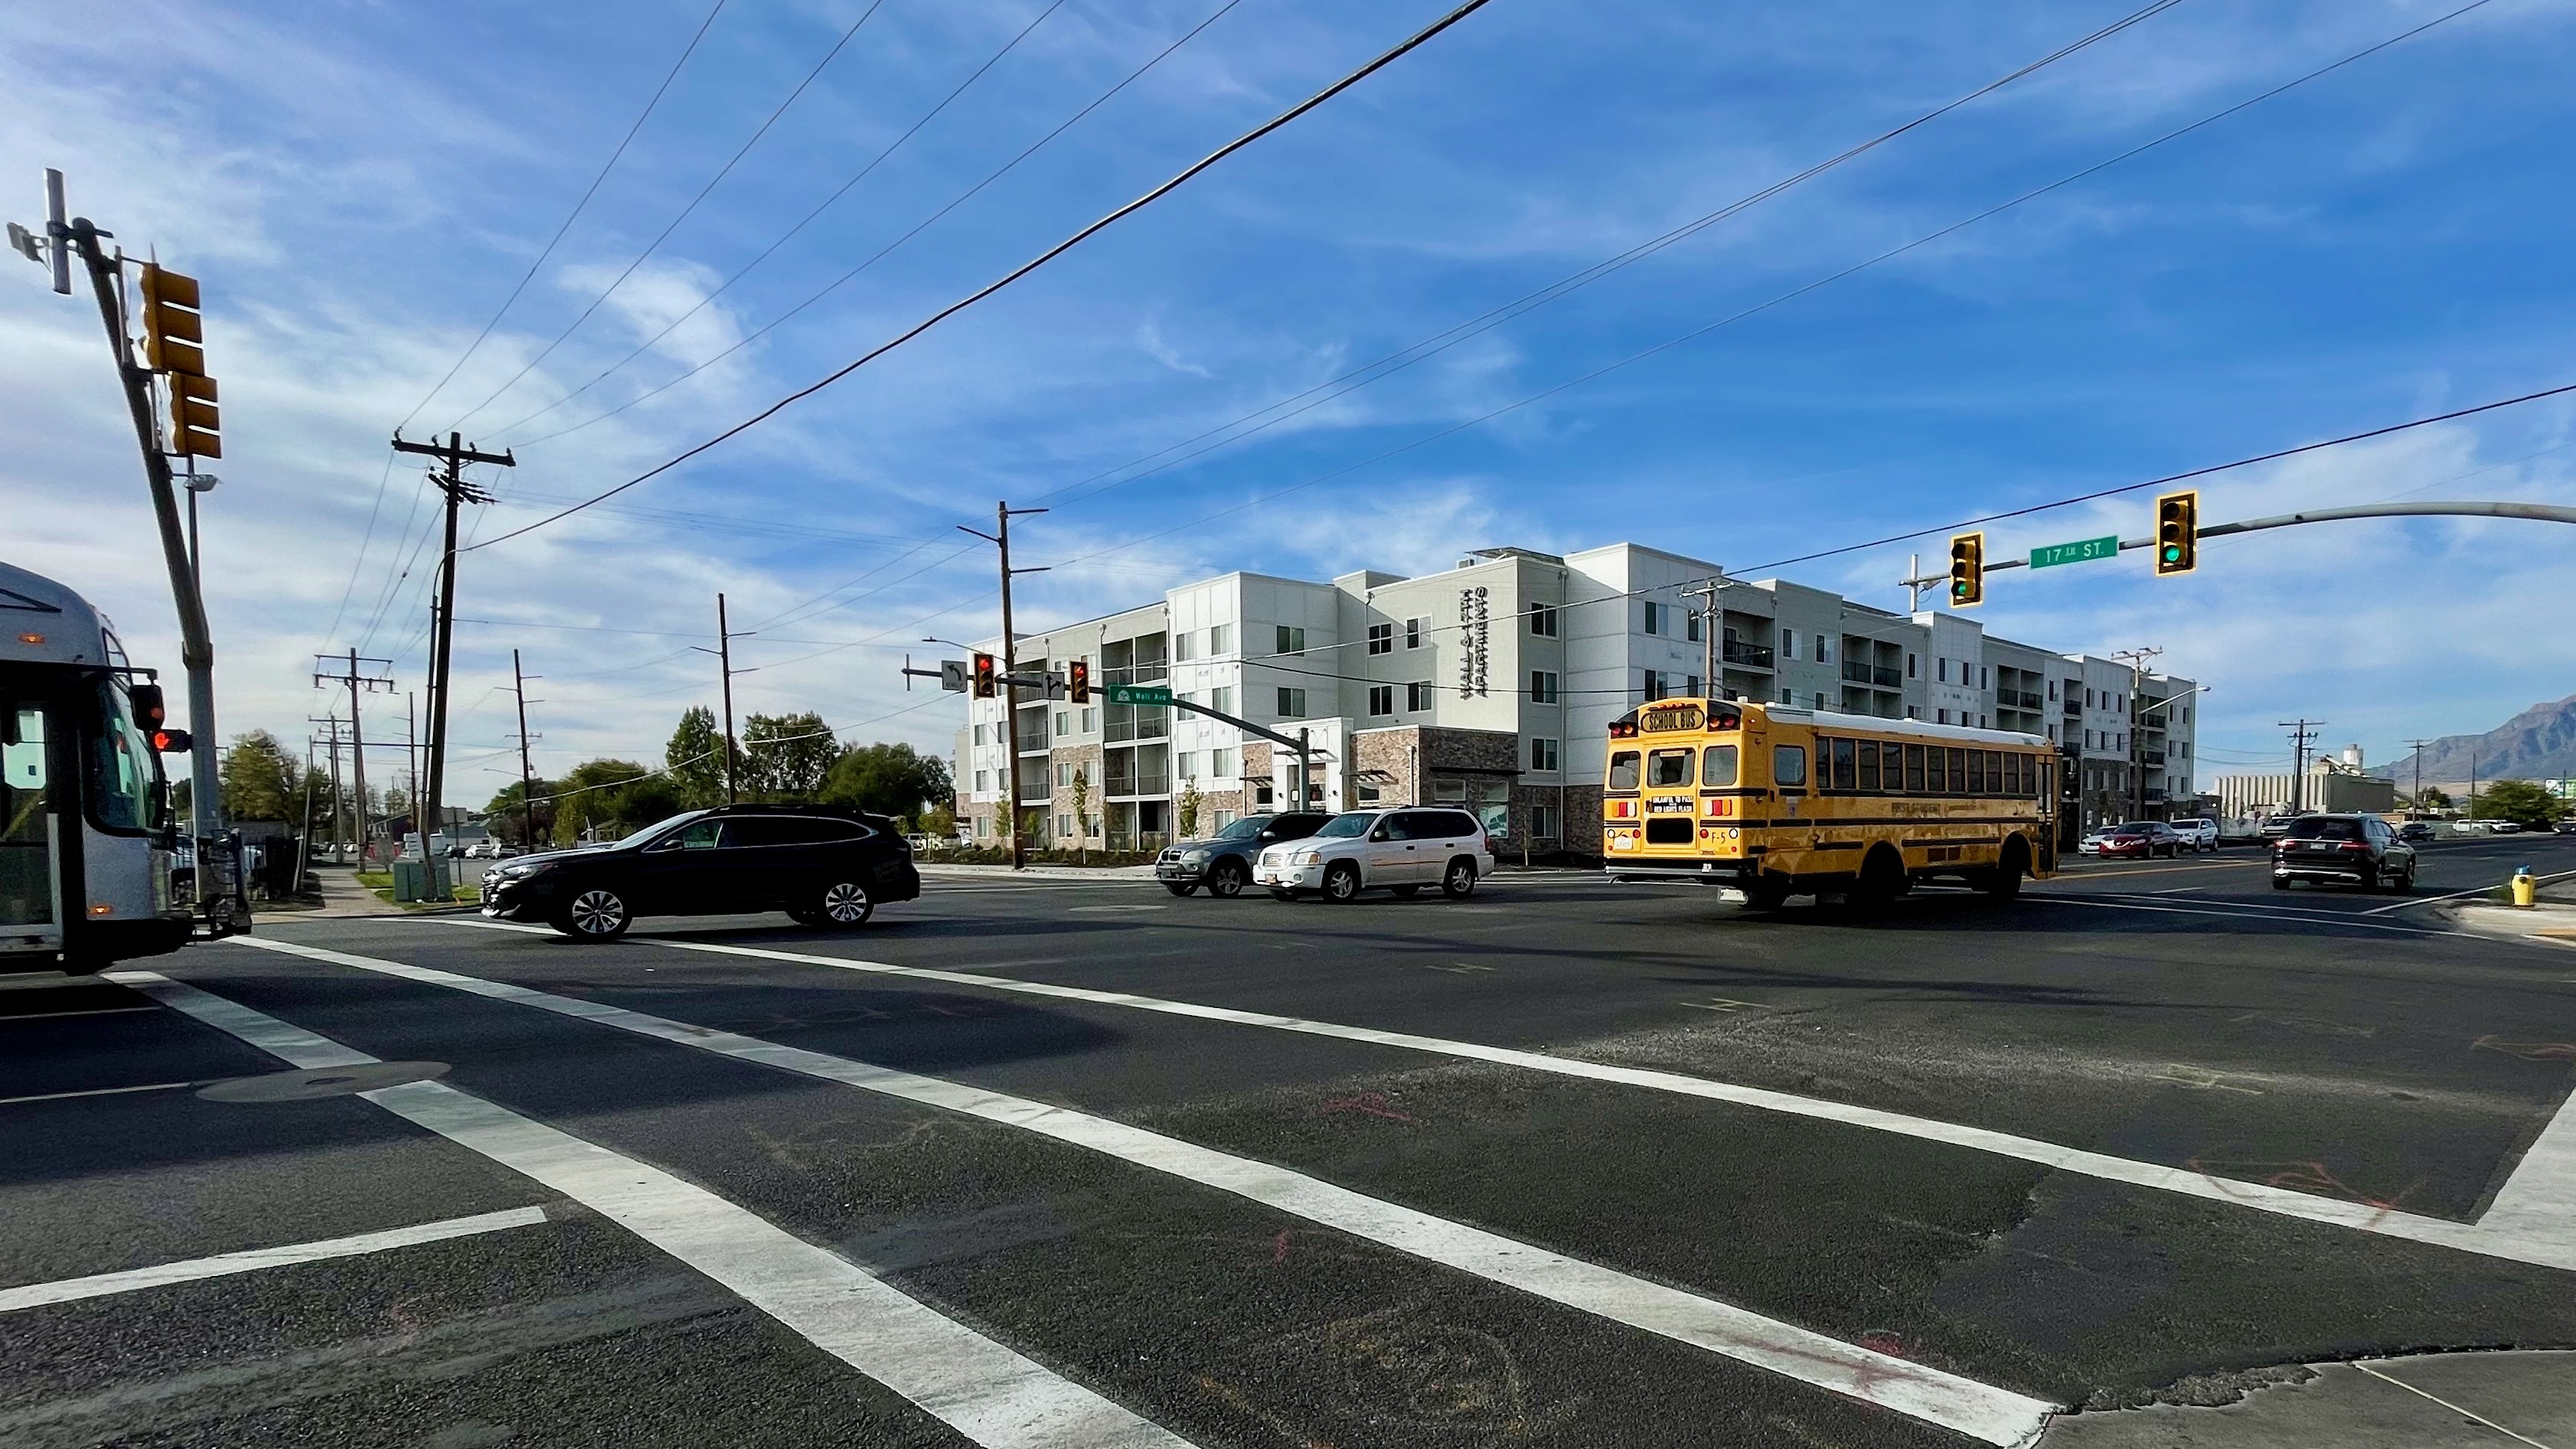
[
  {"x": 1223, "y": 861},
  {"x": 2360, "y": 850}
]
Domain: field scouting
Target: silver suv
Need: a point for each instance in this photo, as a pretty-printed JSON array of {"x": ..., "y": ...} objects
[
  {"x": 1398, "y": 850},
  {"x": 2199, "y": 833}
]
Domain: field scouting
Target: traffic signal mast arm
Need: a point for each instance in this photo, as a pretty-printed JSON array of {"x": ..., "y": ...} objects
[{"x": 2537, "y": 512}]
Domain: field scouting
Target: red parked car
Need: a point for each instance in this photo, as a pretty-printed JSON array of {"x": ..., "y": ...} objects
[{"x": 2141, "y": 838}]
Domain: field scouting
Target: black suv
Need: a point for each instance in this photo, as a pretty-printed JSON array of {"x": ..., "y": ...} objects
[
  {"x": 823, "y": 866},
  {"x": 1223, "y": 861},
  {"x": 2360, "y": 850}
]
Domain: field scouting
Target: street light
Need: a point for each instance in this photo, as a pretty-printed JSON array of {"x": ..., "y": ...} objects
[{"x": 197, "y": 483}]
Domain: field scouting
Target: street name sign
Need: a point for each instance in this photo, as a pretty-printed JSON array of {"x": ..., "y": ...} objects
[
  {"x": 1139, "y": 694},
  {"x": 2083, "y": 550}
]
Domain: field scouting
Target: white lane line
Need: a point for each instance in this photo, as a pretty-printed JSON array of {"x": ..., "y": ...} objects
[
  {"x": 253, "y": 1259},
  {"x": 98, "y": 1092},
  {"x": 1997, "y": 1416},
  {"x": 2447, "y": 1404},
  {"x": 2541, "y": 1190},
  {"x": 985, "y": 1391},
  {"x": 2240, "y": 914},
  {"x": 2328, "y": 915},
  {"x": 85, "y": 1011},
  {"x": 2550, "y": 1244},
  {"x": 2458, "y": 895}
]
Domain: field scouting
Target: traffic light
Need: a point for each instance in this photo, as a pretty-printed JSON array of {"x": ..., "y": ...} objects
[
  {"x": 1967, "y": 570},
  {"x": 986, "y": 677},
  {"x": 2178, "y": 532},
  {"x": 1077, "y": 681},
  {"x": 172, "y": 742},
  {"x": 173, "y": 331},
  {"x": 150, "y": 710}
]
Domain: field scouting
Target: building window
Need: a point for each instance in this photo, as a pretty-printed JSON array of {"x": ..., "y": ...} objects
[
  {"x": 1414, "y": 629},
  {"x": 1654, "y": 618},
  {"x": 1690, "y": 684},
  {"x": 1944, "y": 666},
  {"x": 1291, "y": 640},
  {"x": 1220, "y": 638},
  {"x": 1086, "y": 721},
  {"x": 1063, "y": 723},
  {"x": 1788, "y": 696},
  {"x": 1542, "y": 686},
  {"x": 983, "y": 781},
  {"x": 1187, "y": 762},
  {"x": 1542, "y": 820},
  {"x": 1981, "y": 723},
  {"x": 1381, "y": 639},
  {"x": 1913, "y": 711},
  {"x": 1417, "y": 696},
  {"x": 1654, "y": 684},
  {"x": 1292, "y": 703},
  {"x": 2088, "y": 696},
  {"x": 1944, "y": 716},
  {"x": 2052, "y": 691},
  {"x": 1064, "y": 827},
  {"x": 979, "y": 734},
  {"x": 1691, "y": 626},
  {"x": 1824, "y": 649},
  {"x": 1909, "y": 665},
  {"x": 1221, "y": 764},
  {"x": 1221, "y": 699},
  {"x": 1064, "y": 776},
  {"x": 1788, "y": 646},
  {"x": 1185, "y": 646},
  {"x": 1381, "y": 700},
  {"x": 983, "y": 825},
  {"x": 1542, "y": 754},
  {"x": 1542, "y": 620},
  {"x": 1984, "y": 680}
]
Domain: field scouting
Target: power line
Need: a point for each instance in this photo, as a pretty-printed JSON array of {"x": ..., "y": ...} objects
[
  {"x": 665, "y": 234},
  {"x": 826, "y": 204},
  {"x": 1025, "y": 268},
  {"x": 577, "y": 208}
]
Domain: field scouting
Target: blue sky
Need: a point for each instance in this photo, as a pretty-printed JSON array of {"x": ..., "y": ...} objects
[{"x": 359, "y": 186}]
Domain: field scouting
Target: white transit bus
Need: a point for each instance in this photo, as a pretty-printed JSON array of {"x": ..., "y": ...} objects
[{"x": 87, "y": 844}]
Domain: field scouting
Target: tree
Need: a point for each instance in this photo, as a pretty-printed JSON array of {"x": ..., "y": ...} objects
[
  {"x": 786, "y": 756},
  {"x": 1189, "y": 809},
  {"x": 885, "y": 779},
  {"x": 2431, "y": 798},
  {"x": 592, "y": 794},
  {"x": 1082, "y": 810},
  {"x": 259, "y": 779},
  {"x": 508, "y": 816},
  {"x": 2520, "y": 801},
  {"x": 696, "y": 760}
]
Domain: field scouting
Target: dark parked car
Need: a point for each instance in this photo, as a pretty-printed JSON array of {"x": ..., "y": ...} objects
[
  {"x": 2564, "y": 827},
  {"x": 1223, "y": 861},
  {"x": 825, "y": 867},
  {"x": 2141, "y": 838},
  {"x": 2415, "y": 832},
  {"x": 2358, "y": 850}
]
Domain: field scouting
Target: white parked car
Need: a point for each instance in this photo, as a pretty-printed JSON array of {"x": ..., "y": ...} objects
[
  {"x": 2091, "y": 844},
  {"x": 1398, "y": 850},
  {"x": 2200, "y": 833}
]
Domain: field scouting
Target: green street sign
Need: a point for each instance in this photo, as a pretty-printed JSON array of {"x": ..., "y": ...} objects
[
  {"x": 1140, "y": 694},
  {"x": 2083, "y": 550}
]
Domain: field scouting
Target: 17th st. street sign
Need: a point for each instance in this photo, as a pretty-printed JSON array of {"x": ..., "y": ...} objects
[
  {"x": 1139, "y": 693},
  {"x": 2083, "y": 550}
]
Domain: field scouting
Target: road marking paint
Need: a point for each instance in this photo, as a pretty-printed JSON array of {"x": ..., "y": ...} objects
[
  {"x": 983, "y": 1390},
  {"x": 86, "y": 1011},
  {"x": 2447, "y": 1404},
  {"x": 97, "y": 1092},
  {"x": 251, "y": 1260},
  {"x": 1997, "y": 1416},
  {"x": 2540, "y": 1193},
  {"x": 2329, "y": 915},
  {"x": 2458, "y": 895},
  {"x": 2550, "y": 1243},
  {"x": 2243, "y": 913},
  {"x": 1724, "y": 1003},
  {"x": 1456, "y": 968}
]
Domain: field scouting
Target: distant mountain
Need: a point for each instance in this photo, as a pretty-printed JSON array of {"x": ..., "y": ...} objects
[{"x": 2537, "y": 744}]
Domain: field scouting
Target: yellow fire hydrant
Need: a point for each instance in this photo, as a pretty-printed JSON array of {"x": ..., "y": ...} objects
[{"x": 2524, "y": 887}]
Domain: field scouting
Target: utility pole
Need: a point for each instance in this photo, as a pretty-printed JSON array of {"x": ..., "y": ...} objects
[
  {"x": 2416, "y": 804},
  {"x": 2136, "y": 659},
  {"x": 527, "y": 776},
  {"x": 1003, "y": 512},
  {"x": 1708, "y": 612},
  {"x": 455, "y": 490},
  {"x": 724, "y": 662},
  {"x": 331, "y": 741},
  {"x": 358, "y": 683},
  {"x": 411, "y": 765},
  {"x": 2301, "y": 731},
  {"x": 1914, "y": 583},
  {"x": 304, "y": 841}
]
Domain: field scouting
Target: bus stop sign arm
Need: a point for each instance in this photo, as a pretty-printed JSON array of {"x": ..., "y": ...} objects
[{"x": 2536, "y": 512}]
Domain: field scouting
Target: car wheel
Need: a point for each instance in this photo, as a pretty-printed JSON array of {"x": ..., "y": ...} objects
[
  {"x": 1180, "y": 888},
  {"x": 596, "y": 914},
  {"x": 2369, "y": 877},
  {"x": 1342, "y": 883},
  {"x": 1227, "y": 880},
  {"x": 846, "y": 904},
  {"x": 1459, "y": 881},
  {"x": 1282, "y": 893},
  {"x": 1407, "y": 892},
  {"x": 2280, "y": 882}
]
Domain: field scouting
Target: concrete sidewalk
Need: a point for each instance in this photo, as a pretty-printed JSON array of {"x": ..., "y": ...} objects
[
  {"x": 2431, "y": 1401},
  {"x": 2552, "y": 919}
]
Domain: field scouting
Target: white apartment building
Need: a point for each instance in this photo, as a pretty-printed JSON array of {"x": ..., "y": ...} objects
[{"x": 1492, "y": 684}]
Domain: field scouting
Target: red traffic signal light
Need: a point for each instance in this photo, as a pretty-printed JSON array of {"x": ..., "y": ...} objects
[
  {"x": 1077, "y": 681},
  {"x": 986, "y": 681},
  {"x": 2178, "y": 533},
  {"x": 172, "y": 742},
  {"x": 1967, "y": 570}
]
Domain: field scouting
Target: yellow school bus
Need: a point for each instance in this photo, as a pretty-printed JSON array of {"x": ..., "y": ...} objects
[{"x": 1775, "y": 802}]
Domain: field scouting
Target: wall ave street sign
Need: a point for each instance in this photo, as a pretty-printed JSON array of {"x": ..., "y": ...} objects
[
  {"x": 1139, "y": 694},
  {"x": 2083, "y": 550}
]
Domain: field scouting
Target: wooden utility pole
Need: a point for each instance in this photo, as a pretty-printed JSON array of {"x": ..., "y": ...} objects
[
  {"x": 724, "y": 661},
  {"x": 455, "y": 490},
  {"x": 2415, "y": 803},
  {"x": 359, "y": 682},
  {"x": 2301, "y": 731},
  {"x": 1708, "y": 615},
  {"x": 527, "y": 776},
  {"x": 1001, "y": 539}
]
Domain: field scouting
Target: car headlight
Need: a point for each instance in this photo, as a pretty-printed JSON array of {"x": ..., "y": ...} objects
[
  {"x": 1195, "y": 857},
  {"x": 1307, "y": 857},
  {"x": 524, "y": 870}
]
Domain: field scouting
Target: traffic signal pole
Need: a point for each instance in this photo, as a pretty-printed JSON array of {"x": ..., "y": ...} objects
[{"x": 1000, "y": 538}]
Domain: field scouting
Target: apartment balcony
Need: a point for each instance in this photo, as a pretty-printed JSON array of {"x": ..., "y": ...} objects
[
  {"x": 2151, "y": 757},
  {"x": 1131, "y": 787},
  {"x": 2026, "y": 699},
  {"x": 1746, "y": 656},
  {"x": 2074, "y": 707},
  {"x": 1881, "y": 675}
]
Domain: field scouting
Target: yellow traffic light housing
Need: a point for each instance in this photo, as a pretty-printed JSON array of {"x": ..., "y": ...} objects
[
  {"x": 1077, "y": 681},
  {"x": 985, "y": 677},
  {"x": 1967, "y": 570},
  {"x": 2178, "y": 532},
  {"x": 195, "y": 422},
  {"x": 173, "y": 334}
]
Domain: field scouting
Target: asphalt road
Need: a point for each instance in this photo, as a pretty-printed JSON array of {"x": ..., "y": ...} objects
[{"x": 1571, "y": 1163}]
